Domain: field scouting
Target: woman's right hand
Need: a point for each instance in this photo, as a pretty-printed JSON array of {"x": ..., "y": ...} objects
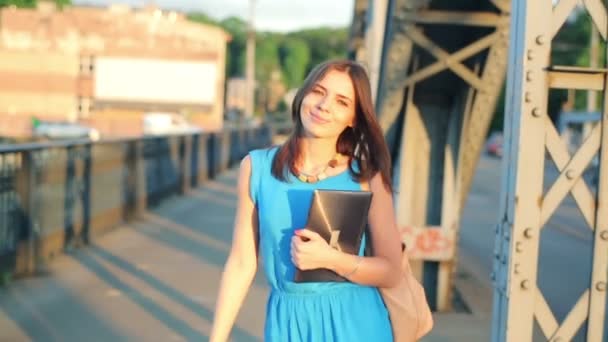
[{"x": 310, "y": 251}]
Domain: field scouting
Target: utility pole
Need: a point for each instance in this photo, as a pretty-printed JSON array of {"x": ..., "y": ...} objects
[{"x": 250, "y": 66}]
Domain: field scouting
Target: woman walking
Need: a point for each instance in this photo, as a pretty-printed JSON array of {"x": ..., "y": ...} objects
[{"x": 336, "y": 144}]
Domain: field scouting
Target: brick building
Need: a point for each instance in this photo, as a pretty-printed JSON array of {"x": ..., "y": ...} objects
[{"x": 107, "y": 67}]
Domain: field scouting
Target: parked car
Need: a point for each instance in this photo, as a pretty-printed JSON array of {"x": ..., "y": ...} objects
[
  {"x": 56, "y": 130},
  {"x": 167, "y": 123},
  {"x": 494, "y": 144}
]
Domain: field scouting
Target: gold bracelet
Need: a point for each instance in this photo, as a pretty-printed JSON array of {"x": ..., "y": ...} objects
[{"x": 359, "y": 259}]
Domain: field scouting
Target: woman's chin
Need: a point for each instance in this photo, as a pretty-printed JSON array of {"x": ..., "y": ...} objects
[
  {"x": 319, "y": 131},
  {"x": 318, "y": 134}
]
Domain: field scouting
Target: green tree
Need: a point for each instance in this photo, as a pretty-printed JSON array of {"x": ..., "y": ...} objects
[
  {"x": 202, "y": 18},
  {"x": 236, "y": 56},
  {"x": 280, "y": 59},
  {"x": 63, "y": 3},
  {"x": 266, "y": 56},
  {"x": 295, "y": 58},
  {"x": 268, "y": 73},
  {"x": 235, "y": 50},
  {"x": 32, "y": 3},
  {"x": 18, "y": 3},
  {"x": 570, "y": 47},
  {"x": 324, "y": 44},
  {"x": 583, "y": 58}
]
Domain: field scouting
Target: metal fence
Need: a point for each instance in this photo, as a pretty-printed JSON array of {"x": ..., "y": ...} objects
[{"x": 54, "y": 196}]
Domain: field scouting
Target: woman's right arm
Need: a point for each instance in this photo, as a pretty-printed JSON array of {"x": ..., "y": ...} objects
[{"x": 241, "y": 266}]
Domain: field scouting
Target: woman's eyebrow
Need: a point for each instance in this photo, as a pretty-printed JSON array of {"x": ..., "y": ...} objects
[
  {"x": 344, "y": 97},
  {"x": 338, "y": 95}
]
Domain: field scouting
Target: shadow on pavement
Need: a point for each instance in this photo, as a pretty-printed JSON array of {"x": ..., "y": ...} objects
[
  {"x": 149, "y": 305},
  {"x": 24, "y": 303},
  {"x": 173, "y": 322}
]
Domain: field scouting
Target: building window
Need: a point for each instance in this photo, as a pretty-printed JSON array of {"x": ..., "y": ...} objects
[
  {"x": 86, "y": 65},
  {"x": 84, "y": 107}
]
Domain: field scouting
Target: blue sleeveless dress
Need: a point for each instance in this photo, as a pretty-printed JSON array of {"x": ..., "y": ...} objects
[{"x": 325, "y": 312}]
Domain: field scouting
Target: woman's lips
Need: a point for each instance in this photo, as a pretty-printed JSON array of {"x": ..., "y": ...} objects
[{"x": 318, "y": 119}]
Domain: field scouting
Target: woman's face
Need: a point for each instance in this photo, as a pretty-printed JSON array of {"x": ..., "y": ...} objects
[{"x": 329, "y": 107}]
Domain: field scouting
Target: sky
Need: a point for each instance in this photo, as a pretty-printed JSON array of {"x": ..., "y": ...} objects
[{"x": 270, "y": 15}]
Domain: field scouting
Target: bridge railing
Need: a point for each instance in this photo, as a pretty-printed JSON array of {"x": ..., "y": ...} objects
[{"x": 56, "y": 196}]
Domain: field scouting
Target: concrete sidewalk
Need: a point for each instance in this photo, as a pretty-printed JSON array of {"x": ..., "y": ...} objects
[
  {"x": 475, "y": 323},
  {"x": 157, "y": 279}
]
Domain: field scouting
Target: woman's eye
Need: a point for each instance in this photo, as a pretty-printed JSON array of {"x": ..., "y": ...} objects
[
  {"x": 317, "y": 91},
  {"x": 343, "y": 103}
]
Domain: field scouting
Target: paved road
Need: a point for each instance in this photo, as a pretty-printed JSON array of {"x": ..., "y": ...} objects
[{"x": 565, "y": 249}]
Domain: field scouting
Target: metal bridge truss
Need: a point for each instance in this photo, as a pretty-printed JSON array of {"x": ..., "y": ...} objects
[
  {"x": 525, "y": 206},
  {"x": 440, "y": 75}
]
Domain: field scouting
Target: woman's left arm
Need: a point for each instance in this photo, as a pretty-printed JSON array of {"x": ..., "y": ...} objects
[{"x": 381, "y": 269}]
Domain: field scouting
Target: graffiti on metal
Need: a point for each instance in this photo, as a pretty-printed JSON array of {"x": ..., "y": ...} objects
[{"x": 429, "y": 243}]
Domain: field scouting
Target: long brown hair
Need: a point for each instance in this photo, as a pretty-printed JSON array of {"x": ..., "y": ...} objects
[{"x": 364, "y": 142}]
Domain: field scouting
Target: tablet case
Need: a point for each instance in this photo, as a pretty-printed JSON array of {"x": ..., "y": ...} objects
[{"x": 340, "y": 217}]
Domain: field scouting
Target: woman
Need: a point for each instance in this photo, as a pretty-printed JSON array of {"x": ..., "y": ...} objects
[{"x": 336, "y": 144}]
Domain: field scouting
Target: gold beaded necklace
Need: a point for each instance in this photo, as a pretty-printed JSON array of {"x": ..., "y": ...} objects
[{"x": 308, "y": 178}]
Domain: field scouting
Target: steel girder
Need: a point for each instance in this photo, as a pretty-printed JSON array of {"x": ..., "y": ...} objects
[
  {"x": 443, "y": 67},
  {"x": 525, "y": 206}
]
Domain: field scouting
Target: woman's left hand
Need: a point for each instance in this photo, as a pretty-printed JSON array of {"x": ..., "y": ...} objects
[{"x": 310, "y": 251}]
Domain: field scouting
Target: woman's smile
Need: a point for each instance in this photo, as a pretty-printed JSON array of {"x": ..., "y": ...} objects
[{"x": 318, "y": 119}]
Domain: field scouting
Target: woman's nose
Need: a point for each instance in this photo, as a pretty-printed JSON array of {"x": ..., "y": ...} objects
[{"x": 323, "y": 103}]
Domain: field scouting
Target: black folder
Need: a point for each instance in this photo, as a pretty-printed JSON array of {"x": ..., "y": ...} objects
[{"x": 340, "y": 217}]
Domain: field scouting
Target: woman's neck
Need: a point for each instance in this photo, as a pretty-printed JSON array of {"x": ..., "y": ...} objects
[{"x": 316, "y": 151}]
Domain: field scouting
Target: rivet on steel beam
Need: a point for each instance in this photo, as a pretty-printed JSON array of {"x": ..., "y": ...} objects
[
  {"x": 540, "y": 40},
  {"x": 536, "y": 112},
  {"x": 525, "y": 284},
  {"x": 600, "y": 286},
  {"x": 530, "y": 55},
  {"x": 604, "y": 235},
  {"x": 493, "y": 276},
  {"x": 570, "y": 174},
  {"x": 529, "y": 76},
  {"x": 518, "y": 247},
  {"x": 528, "y": 97},
  {"x": 528, "y": 232},
  {"x": 516, "y": 268}
]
